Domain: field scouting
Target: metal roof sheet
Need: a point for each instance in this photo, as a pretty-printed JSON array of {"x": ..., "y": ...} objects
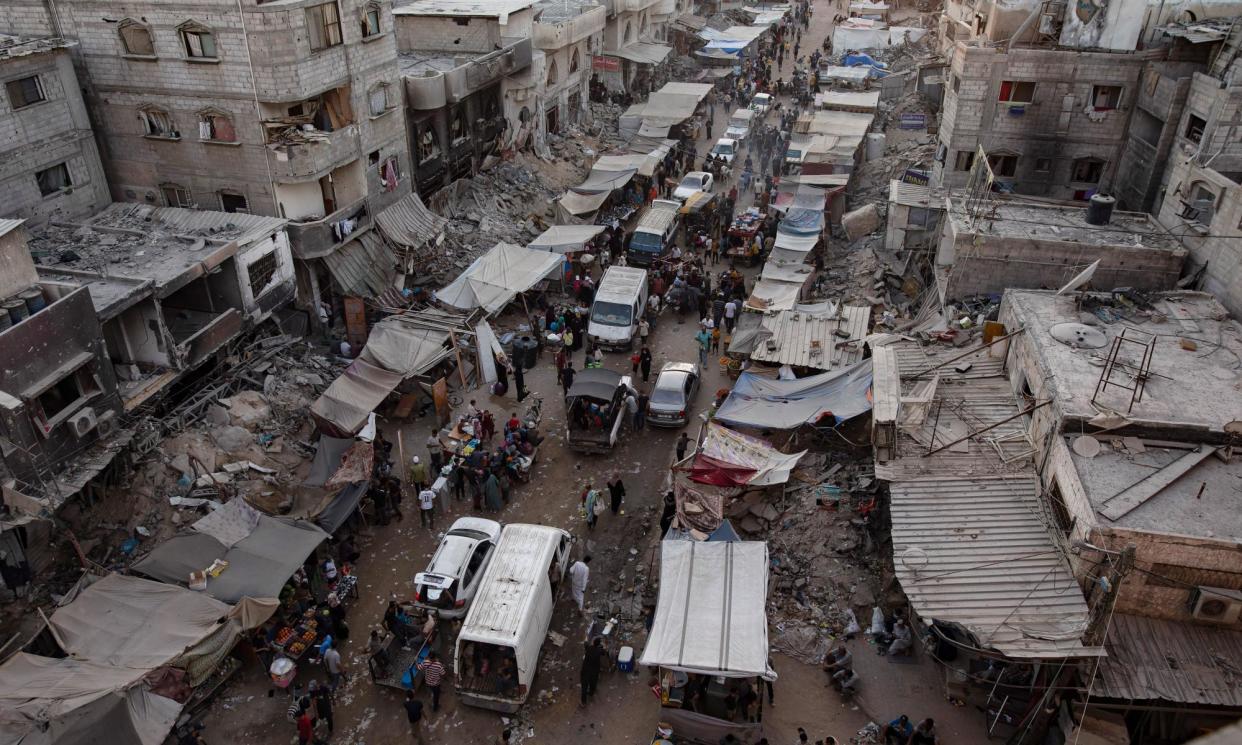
[
  {"x": 7, "y": 225},
  {"x": 1151, "y": 659},
  {"x": 408, "y": 223},
  {"x": 810, "y": 340},
  {"x": 363, "y": 267},
  {"x": 914, "y": 195}
]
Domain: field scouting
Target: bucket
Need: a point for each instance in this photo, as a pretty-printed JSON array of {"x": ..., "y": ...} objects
[
  {"x": 282, "y": 672},
  {"x": 16, "y": 309},
  {"x": 34, "y": 300}
]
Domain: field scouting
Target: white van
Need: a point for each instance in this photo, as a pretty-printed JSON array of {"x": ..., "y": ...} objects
[
  {"x": 618, "y": 307},
  {"x": 739, "y": 124},
  {"x": 655, "y": 234},
  {"x": 500, "y": 642}
]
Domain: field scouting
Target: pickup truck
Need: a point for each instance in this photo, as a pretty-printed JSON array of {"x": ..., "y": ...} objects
[{"x": 595, "y": 410}]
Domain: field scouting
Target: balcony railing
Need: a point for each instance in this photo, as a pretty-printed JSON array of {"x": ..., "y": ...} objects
[{"x": 313, "y": 239}]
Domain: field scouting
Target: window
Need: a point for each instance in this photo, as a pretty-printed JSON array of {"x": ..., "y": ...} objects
[
  {"x": 1088, "y": 171},
  {"x": 378, "y": 100},
  {"x": 1194, "y": 128},
  {"x": 136, "y": 39},
  {"x": 428, "y": 147},
  {"x": 214, "y": 126},
  {"x": 24, "y": 92},
  {"x": 231, "y": 201},
  {"x": 371, "y": 21},
  {"x": 957, "y": 84},
  {"x": 1043, "y": 165},
  {"x": 964, "y": 161},
  {"x": 158, "y": 123},
  {"x": 53, "y": 180},
  {"x": 575, "y": 61},
  {"x": 552, "y": 74},
  {"x": 176, "y": 196},
  {"x": 261, "y": 272},
  {"x": 1105, "y": 97},
  {"x": 199, "y": 42},
  {"x": 1202, "y": 206},
  {"x": 1003, "y": 165},
  {"x": 1016, "y": 92},
  {"x": 323, "y": 24},
  {"x": 60, "y": 396}
]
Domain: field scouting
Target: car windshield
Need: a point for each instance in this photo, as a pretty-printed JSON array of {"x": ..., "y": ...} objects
[
  {"x": 646, "y": 242},
  {"x": 611, "y": 314},
  {"x": 692, "y": 182},
  {"x": 669, "y": 390},
  {"x": 723, "y": 149}
]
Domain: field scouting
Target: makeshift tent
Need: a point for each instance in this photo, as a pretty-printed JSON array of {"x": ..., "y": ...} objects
[
  {"x": 565, "y": 239},
  {"x": 674, "y": 103},
  {"x": 399, "y": 345},
  {"x": 642, "y": 52},
  {"x": 767, "y": 464},
  {"x": 329, "y": 456},
  {"x": 769, "y": 295},
  {"x": 572, "y": 204},
  {"x": 344, "y": 406},
  {"x": 763, "y": 403},
  {"x": 496, "y": 277},
  {"x": 332, "y": 517},
  {"x": 260, "y": 562},
  {"x": 711, "y": 612}
]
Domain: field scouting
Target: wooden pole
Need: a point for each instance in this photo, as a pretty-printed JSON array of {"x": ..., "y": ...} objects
[
  {"x": 401, "y": 448},
  {"x": 461, "y": 368}
]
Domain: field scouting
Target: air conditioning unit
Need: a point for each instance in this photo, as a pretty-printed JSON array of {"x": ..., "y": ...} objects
[
  {"x": 106, "y": 424},
  {"x": 83, "y": 422},
  {"x": 1216, "y": 604}
]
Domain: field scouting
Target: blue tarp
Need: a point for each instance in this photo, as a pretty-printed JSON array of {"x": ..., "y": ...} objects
[
  {"x": 858, "y": 59},
  {"x": 801, "y": 221},
  {"x": 760, "y": 402}
]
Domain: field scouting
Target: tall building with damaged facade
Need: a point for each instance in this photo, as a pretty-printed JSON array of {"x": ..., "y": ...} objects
[{"x": 284, "y": 108}]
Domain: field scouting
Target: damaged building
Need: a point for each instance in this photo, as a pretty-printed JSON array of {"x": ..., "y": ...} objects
[
  {"x": 49, "y": 163},
  {"x": 569, "y": 34}
]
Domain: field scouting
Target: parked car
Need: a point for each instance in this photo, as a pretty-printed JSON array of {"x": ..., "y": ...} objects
[
  {"x": 761, "y": 104},
  {"x": 692, "y": 182},
  {"x": 449, "y": 583},
  {"x": 673, "y": 394},
  {"x": 725, "y": 148}
]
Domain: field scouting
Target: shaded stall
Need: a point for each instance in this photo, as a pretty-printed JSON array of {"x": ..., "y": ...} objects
[
  {"x": 499, "y": 276},
  {"x": 763, "y": 403}
]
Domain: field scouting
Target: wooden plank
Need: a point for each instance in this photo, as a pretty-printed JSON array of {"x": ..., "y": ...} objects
[{"x": 1122, "y": 503}]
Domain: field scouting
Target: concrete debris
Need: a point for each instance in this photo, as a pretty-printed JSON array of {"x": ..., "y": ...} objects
[{"x": 862, "y": 221}]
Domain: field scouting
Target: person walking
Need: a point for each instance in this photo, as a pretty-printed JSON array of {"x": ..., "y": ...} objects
[
  {"x": 644, "y": 361},
  {"x": 433, "y": 674},
  {"x": 323, "y": 704},
  {"x": 592, "y": 661},
  {"x": 427, "y": 507},
  {"x": 705, "y": 343},
  {"x": 640, "y": 417},
  {"x": 579, "y": 575},
  {"x": 418, "y": 474},
  {"x": 567, "y": 378},
  {"x": 616, "y": 493},
  {"x": 306, "y": 728},
  {"x": 414, "y": 713},
  {"x": 631, "y": 408},
  {"x": 730, "y": 311},
  {"x": 336, "y": 668},
  {"x": 683, "y": 442},
  {"x": 491, "y": 492},
  {"x": 635, "y": 359},
  {"x": 592, "y": 506}
]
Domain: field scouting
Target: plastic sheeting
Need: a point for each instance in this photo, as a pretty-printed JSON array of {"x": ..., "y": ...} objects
[
  {"x": 800, "y": 244},
  {"x": 763, "y": 403},
  {"x": 564, "y": 239},
  {"x": 329, "y": 455},
  {"x": 642, "y": 52},
  {"x": 345, "y": 405},
  {"x": 770, "y": 295},
  {"x": 572, "y": 204},
  {"x": 496, "y": 277},
  {"x": 332, "y": 517},
  {"x": 404, "y": 348},
  {"x": 711, "y": 613},
  {"x": 767, "y": 464}
]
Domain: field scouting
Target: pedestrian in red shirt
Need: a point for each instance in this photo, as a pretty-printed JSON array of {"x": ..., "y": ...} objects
[{"x": 306, "y": 728}]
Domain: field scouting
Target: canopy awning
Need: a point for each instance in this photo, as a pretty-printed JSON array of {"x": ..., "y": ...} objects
[
  {"x": 364, "y": 267},
  {"x": 496, "y": 277},
  {"x": 799, "y": 243},
  {"x": 398, "y": 345},
  {"x": 573, "y": 203},
  {"x": 564, "y": 239},
  {"x": 792, "y": 273},
  {"x": 409, "y": 224},
  {"x": 767, "y": 464},
  {"x": 642, "y": 52},
  {"x": 769, "y": 295},
  {"x": 332, "y": 517},
  {"x": 595, "y": 382},
  {"x": 763, "y": 403},
  {"x": 354, "y": 395},
  {"x": 711, "y": 615}
]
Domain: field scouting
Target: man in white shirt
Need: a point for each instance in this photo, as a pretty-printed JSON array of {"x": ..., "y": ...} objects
[
  {"x": 427, "y": 508},
  {"x": 579, "y": 574},
  {"x": 730, "y": 312}
]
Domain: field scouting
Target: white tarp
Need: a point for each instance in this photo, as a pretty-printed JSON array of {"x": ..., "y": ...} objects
[
  {"x": 496, "y": 277},
  {"x": 794, "y": 273},
  {"x": 404, "y": 348},
  {"x": 770, "y": 465},
  {"x": 564, "y": 239},
  {"x": 800, "y": 243},
  {"x": 487, "y": 346},
  {"x": 573, "y": 203},
  {"x": 711, "y": 615},
  {"x": 769, "y": 295},
  {"x": 642, "y": 52},
  {"x": 760, "y": 402}
]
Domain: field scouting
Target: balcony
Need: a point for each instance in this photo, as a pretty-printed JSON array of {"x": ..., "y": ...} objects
[
  {"x": 204, "y": 333},
  {"x": 312, "y": 155},
  {"x": 313, "y": 239},
  {"x": 432, "y": 80},
  {"x": 553, "y": 35}
]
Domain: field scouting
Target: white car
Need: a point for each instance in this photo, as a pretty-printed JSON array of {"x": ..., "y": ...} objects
[
  {"x": 692, "y": 182},
  {"x": 453, "y": 575},
  {"x": 725, "y": 148},
  {"x": 761, "y": 103}
]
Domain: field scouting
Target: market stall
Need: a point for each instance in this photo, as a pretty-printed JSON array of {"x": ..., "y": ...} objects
[{"x": 746, "y": 225}]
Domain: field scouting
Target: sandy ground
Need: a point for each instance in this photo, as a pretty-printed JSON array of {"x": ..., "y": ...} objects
[{"x": 623, "y": 711}]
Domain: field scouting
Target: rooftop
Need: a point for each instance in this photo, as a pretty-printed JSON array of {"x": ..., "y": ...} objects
[
  {"x": 19, "y": 46},
  {"x": 462, "y": 8},
  {"x": 1196, "y": 363},
  {"x": 559, "y": 11},
  {"x": 1032, "y": 221}
]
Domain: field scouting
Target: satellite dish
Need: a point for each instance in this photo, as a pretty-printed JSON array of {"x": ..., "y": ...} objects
[
  {"x": 1080, "y": 279},
  {"x": 1078, "y": 335},
  {"x": 1086, "y": 446}
]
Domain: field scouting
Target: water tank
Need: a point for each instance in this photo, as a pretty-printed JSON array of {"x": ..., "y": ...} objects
[
  {"x": 16, "y": 309},
  {"x": 34, "y": 300},
  {"x": 1100, "y": 210},
  {"x": 526, "y": 351}
]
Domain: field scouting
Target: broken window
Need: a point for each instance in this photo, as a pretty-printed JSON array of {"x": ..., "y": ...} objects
[
  {"x": 1088, "y": 171},
  {"x": 964, "y": 160},
  {"x": 231, "y": 201},
  {"x": 1016, "y": 91},
  {"x": 1194, "y": 128},
  {"x": 1003, "y": 165},
  {"x": 323, "y": 26},
  {"x": 1043, "y": 165},
  {"x": 24, "y": 92},
  {"x": 575, "y": 61},
  {"x": 458, "y": 130},
  {"x": 1105, "y": 97},
  {"x": 58, "y": 398},
  {"x": 378, "y": 100},
  {"x": 428, "y": 146},
  {"x": 158, "y": 123},
  {"x": 1202, "y": 206},
  {"x": 371, "y": 20},
  {"x": 552, "y": 74},
  {"x": 216, "y": 127},
  {"x": 957, "y": 84},
  {"x": 390, "y": 173},
  {"x": 136, "y": 38},
  {"x": 199, "y": 41},
  {"x": 53, "y": 180},
  {"x": 261, "y": 272},
  {"x": 176, "y": 196}
]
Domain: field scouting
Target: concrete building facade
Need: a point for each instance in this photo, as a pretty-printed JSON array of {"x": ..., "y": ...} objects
[
  {"x": 569, "y": 35},
  {"x": 49, "y": 162}
]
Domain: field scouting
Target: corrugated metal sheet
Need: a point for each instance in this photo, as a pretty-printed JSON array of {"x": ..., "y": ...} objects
[
  {"x": 914, "y": 195},
  {"x": 219, "y": 226},
  {"x": 509, "y": 585},
  {"x": 970, "y": 535},
  {"x": 810, "y": 340},
  {"x": 409, "y": 224},
  {"x": 1150, "y": 659},
  {"x": 363, "y": 267},
  {"x": 7, "y": 225}
]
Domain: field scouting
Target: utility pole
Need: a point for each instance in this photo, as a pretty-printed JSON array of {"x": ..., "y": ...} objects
[{"x": 1102, "y": 609}]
